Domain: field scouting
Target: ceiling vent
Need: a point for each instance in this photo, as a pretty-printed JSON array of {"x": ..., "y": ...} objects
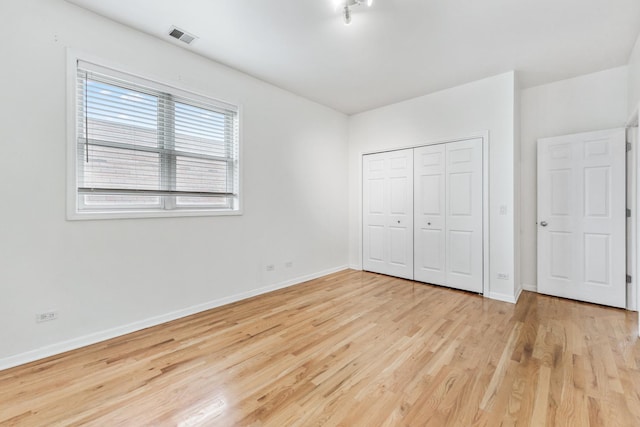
[{"x": 181, "y": 35}]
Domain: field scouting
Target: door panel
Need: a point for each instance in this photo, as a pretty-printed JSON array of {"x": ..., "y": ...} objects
[
  {"x": 448, "y": 215},
  {"x": 430, "y": 194},
  {"x": 560, "y": 244},
  {"x": 388, "y": 213},
  {"x": 374, "y": 216},
  {"x": 596, "y": 254},
  {"x": 581, "y": 217},
  {"x": 432, "y": 254},
  {"x": 376, "y": 243},
  {"x": 460, "y": 244},
  {"x": 464, "y": 263},
  {"x": 399, "y": 255},
  {"x": 460, "y": 194},
  {"x": 376, "y": 196},
  {"x": 399, "y": 195},
  {"x": 596, "y": 192},
  {"x": 560, "y": 192},
  {"x": 429, "y": 215}
]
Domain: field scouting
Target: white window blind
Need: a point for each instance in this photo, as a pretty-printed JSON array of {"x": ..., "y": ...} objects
[{"x": 145, "y": 146}]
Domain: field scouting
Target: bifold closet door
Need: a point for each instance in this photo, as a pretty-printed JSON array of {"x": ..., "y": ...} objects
[
  {"x": 464, "y": 215},
  {"x": 448, "y": 215},
  {"x": 387, "y": 205},
  {"x": 430, "y": 214}
]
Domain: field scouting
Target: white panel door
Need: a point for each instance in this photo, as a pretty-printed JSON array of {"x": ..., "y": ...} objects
[
  {"x": 464, "y": 245},
  {"x": 581, "y": 217},
  {"x": 448, "y": 215},
  {"x": 430, "y": 214},
  {"x": 387, "y": 206}
]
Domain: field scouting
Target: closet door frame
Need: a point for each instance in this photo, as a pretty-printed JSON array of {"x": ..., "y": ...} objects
[{"x": 485, "y": 197}]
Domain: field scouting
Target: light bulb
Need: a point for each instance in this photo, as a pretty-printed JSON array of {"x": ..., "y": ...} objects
[{"x": 369, "y": 2}]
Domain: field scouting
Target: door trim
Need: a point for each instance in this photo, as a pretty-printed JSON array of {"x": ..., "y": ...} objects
[
  {"x": 486, "y": 285},
  {"x": 632, "y": 184}
]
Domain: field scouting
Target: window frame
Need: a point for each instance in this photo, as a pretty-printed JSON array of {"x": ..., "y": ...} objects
[{"x": 75, "y": 200}]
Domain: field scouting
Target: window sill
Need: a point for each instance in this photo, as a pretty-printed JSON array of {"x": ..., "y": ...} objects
[{"x": 75, "y": 216}]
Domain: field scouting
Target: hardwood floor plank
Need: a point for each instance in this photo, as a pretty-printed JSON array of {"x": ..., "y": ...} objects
[
  {"x": 501, "y": 369},
  {"x": 348, "y": 349}
]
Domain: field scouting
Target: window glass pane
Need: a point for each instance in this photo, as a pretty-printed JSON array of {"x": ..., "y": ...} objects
[
  {"x": 201, "y": 131},
  {"x": 120, "y": 115},
  {"x": 201, "y": 175},
  {"x": 109, "y": 167}
]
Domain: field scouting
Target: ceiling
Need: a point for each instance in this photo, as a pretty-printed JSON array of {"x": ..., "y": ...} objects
[{"x": 396, "y": 49}]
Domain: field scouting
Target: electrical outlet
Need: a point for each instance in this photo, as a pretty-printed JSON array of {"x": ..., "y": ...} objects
[
  {"x": 46, "y": 316},
  {"x": 503, "y": 209},
  {"x": 270, "y": 267},
  {"x": 503, "y": 276},
  {"x": 288, "y": 264}
]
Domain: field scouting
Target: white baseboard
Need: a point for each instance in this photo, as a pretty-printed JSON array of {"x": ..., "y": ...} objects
[
  {"x": 501, "y": 297},
  {"x": 96, "y": 337},
  {"x": 355, "y": 267},
  {"x": 530, "y": 288},
  {"x": 518, "y": 293}
]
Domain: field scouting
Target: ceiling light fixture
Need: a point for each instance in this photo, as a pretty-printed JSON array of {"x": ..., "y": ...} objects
[{"x": 346, "y": 6}]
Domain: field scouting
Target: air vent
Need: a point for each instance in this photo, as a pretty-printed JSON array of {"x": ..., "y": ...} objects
[{"x": 181, "y": 35}]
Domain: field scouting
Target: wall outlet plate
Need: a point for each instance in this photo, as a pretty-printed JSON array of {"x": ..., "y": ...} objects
[
  {"x": 270, "y": 267},
  {"x": 503, "y": 276},
  {"x": 46, "y": 316}
]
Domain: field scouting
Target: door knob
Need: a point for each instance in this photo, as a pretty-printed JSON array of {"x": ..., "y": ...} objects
[{"x": 544, "y": 223}]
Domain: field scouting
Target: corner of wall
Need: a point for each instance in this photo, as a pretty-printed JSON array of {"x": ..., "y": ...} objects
[
  {"x": 512, "y": 299},
  {"x": 633, "y": 79},
  {"x": 517, "y": 182}
]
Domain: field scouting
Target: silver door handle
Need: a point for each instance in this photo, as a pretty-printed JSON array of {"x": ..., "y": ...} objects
[{"x": 544, "y": 223}]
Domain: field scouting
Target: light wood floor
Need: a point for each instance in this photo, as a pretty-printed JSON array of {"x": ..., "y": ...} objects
[{"x": 350, "y": 349}]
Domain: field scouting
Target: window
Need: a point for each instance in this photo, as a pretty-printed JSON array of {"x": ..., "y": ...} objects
[{"x": 142, "y": 147}]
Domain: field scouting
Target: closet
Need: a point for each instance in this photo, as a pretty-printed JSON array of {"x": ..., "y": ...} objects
[{"x": 423, "y": 214}]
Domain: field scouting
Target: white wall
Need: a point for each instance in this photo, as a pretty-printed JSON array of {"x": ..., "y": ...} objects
[
  {"x": 582, "y": 104},
  {"x": 485, "y": 105},
  {"x": 517, "y": 182},
  {"x": 634, "y": 79},
  {"x": 108, "y": 274}
]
